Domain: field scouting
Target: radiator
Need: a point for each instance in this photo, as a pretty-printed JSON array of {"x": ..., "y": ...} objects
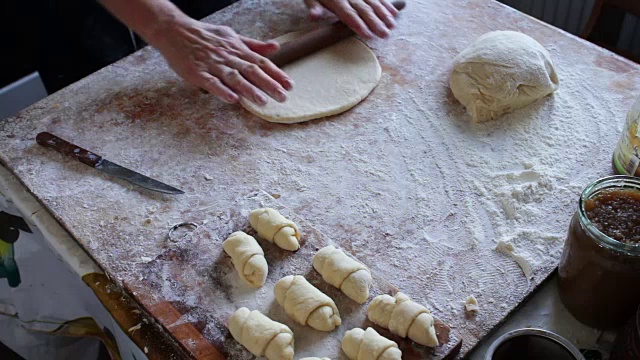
[{"x": 572, "y": 16}]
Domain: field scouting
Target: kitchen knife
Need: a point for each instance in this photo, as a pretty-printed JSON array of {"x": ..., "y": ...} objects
[
  {"x": 86, "y": 157},
  {"x": 315, "y": 40}
]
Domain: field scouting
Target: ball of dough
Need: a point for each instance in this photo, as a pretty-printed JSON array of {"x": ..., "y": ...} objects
[{"x": 500, "y": 72}]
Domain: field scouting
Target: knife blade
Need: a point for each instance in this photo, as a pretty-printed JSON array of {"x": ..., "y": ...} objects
[
  {"x": 316, "y": 40},
  {"x": 97, "y": 162}
]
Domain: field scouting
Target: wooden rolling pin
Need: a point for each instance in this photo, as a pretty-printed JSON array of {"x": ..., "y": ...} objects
[{"x": 316, "y": 40}]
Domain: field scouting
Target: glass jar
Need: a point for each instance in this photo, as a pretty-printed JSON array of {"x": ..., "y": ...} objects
[
  {"x": 599, "y": 277},
  {"x": 626, "y": 157}
]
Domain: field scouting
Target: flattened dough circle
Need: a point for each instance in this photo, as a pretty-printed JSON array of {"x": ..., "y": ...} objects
[{"x": 328, "y": 82}]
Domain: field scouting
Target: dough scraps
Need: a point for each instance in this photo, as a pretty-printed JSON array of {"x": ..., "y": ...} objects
[{"x": 510, "y": 250}]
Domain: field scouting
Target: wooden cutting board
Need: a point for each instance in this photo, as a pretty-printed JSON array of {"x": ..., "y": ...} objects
[
  {"x": 403, "y": 181},
  {"x": 199, "y": 280}
]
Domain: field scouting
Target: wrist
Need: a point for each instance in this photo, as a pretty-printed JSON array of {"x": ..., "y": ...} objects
[
  {"x": 163, "y": 26},
  {"x": 148, "y": 18}
]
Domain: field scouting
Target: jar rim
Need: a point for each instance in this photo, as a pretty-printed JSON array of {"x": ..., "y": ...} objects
[{"x": 609, "y": 182}]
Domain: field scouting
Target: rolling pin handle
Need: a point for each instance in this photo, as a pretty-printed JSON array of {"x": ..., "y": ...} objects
[{"x": 315, "y": 40}]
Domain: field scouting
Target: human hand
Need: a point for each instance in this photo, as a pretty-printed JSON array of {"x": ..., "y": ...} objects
[
  {"x": 365, "y": 17},
  {"x": 225, "y": 64}
]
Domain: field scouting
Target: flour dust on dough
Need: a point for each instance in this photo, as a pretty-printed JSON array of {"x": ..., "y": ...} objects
[{"x": 328, "y": 82}]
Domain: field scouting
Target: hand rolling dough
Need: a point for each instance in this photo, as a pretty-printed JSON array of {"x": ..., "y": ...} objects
[
  {"x": 404, "y": 318},
  {"x": 359, "y": 344},
  {"x": 275, "y": 228},
  {"x": 261, "y": 335},
  {"x": 306, "y": 304},
  {"x": 327, "y": 82},
  {"x": 248, "y": 258},
  {"x": 341, "y": 271}
]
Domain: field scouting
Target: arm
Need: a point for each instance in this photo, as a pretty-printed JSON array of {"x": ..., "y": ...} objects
[{"x": 211, "y": 57}]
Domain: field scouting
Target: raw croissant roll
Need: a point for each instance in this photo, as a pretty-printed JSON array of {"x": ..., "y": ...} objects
[
  {"x": 248, "y": 258},
  {"x": 341, "y": 271},
  {"x": 275, "y": 228},
  {"x": 315, "y": 358},
  {"x": 261, "y": 335},
  {"x": 306, "y": 304},
  {"x": 403, "y": 317},
  {"x": 359, "y": 344}
]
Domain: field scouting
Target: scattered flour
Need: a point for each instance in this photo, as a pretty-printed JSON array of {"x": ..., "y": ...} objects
[{"x": 402, "y": 181}]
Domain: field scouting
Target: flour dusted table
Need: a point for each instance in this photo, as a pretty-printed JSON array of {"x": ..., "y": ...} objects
[{"x": 403, "y": 181}]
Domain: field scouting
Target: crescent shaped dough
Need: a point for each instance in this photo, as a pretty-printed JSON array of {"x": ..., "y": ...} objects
[
  {"x": 403, "y": 317},
  {"x": 275, "y": 228},
  {"x": 247, "y": 257},
  {"x": 341, "y": 271},
  {"x": 261, "y": 335},
  {"x": 359, "y": 344},
  {"x": 306, "y": 304},
  {"x": 315, "y": 358}
]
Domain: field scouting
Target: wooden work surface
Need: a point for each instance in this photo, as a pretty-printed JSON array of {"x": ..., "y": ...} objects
[{"x": 403, "y": 181}]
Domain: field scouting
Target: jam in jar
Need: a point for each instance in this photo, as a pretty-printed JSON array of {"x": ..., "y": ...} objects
[{"x": 599, "y": 272}]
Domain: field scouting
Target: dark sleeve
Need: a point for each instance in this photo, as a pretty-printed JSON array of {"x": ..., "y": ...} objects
[{"x": 79, "y": 37}]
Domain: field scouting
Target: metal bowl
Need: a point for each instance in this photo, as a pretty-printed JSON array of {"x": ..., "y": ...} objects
[{"x": 532, "y": 344}]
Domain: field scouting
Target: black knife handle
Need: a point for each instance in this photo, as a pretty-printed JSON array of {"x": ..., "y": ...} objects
[{"x": 64, "y": 147}]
